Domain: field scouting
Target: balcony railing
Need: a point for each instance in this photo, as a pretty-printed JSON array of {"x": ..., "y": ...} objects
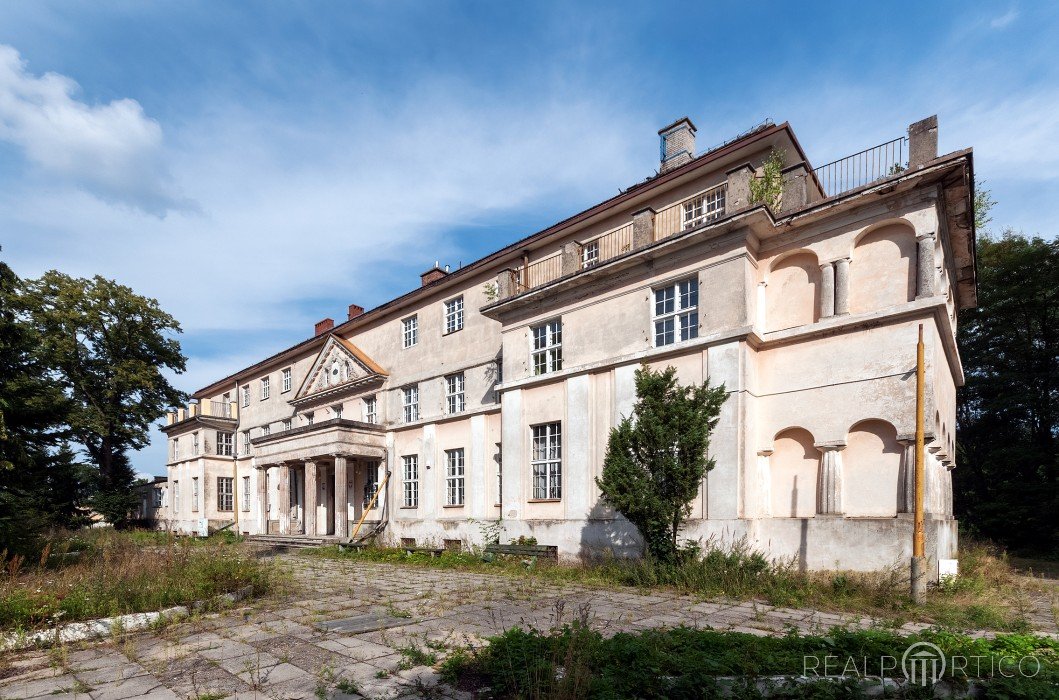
[
  {"x": 221, "y": 409},
  {"x": 863, "y": 168},
  {"x": 692, "y": 211},
  {"x": 541, "y": 272},
  {"x": 609, "y": 245}
]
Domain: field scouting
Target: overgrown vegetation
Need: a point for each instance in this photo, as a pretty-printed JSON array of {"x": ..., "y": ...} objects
[
  {"x": 100, "y": 572},
  {"x": 656, "y": 457},
  {"x": 989, "y": 594},
  {"x": 768, "y": 188},
  {"x": 576, "y": 661}
]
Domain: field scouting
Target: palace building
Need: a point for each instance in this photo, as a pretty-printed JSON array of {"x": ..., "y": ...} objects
[{"x": 487, "y": 393}]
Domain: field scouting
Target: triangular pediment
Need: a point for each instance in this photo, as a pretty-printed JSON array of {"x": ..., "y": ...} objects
[{"x": 339, "y": 364}]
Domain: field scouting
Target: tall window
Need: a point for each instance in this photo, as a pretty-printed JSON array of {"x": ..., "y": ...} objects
[
  {"x": 410, "y": 331},
  {"x": 266, "y": 389},
  {"x": 246, "y": 395},
  {"x": 176, "y": 448},
  {"x": 677, "y": 312},
  {"x": 547, "y": 461},
  {"x": 194, "y": 443},
  {"x": 454, "y": 395},
  {"x": 454, "y": 315},
  {"x": 411, "y": 403},
  {"x": 706, "y": 207},
  {"x": 411, "y": 480},
  {"x": 224, "y": 444},
  {"x": 285, "y": 380},
  {"x": 371, "y": 483},
  {"x": 194, "y": 493},
  {"x": 224, "y": 493},
  {"x": 547, "y": 347},
  {"x": 337, "y": 410},
  {"x": 454, "y": 477},
  {"x": 176, "y": 497},
  {"x": 246, "y": 494},
  {"x": 158, "y": 497},
  {"x": 246, "y": 443},
  {"x": 226, "y": 405},
  {"x": 309, "y": 418},
  {"x": 371, "y": 410},
  {"x": 589, "y": 254}
]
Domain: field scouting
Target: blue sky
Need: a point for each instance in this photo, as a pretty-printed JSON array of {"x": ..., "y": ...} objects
[{"x": 336, "y": 149}]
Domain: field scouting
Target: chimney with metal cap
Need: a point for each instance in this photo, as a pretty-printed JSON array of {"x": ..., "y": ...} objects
[
  {"x": 433, "y": 274},
  {"x": 677, "y": 145}
]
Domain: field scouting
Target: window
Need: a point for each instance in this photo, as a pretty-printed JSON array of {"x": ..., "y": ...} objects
[
  {"x": 246, "y": 442},
  {"x": 246, "y": 395},
  {"x": 547, "y": 461},
  {"x": 266, "y": 430},
  {"x": 706, "y": 207},
  {"x": 410, "y": 328},
  {"x": 194, "y": 443},
  {"x": 454, "y": 315},
  {"x": 589, "y": 254},
  {"x": 454, "y": 477},
  {"x": 411, "y": 403},
  {"x": 309, "y": 418},
  {"x": 371, "y": 410},
  {"x": 226, "y": 405},
  {"x": 246, "y": 494},
  {"x": 547, "y": 347},
  {"x": 176, "y": 497},
  {"x": 285, "y": 380},
  {"x": 194, "y": 493},
  {"x": 286, "y": 424},
  {"x": 677, "y": 312},
  {"x": 454, "y": 395},
  {"x": 224, "y": 493},
  {"x": 157, "y": 497},
  {"x": 411, "y": 480},
  {"x": 266, "y": 387},
  {"x": 224, "y": 444},
  {"x": 371, "y": 483},
  {"x": 337, "y": 410},
  {"x": 176, "y": 449}
]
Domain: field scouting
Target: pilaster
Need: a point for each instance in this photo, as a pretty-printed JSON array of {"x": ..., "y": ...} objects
[
  {"x": 341, "y": 496},
  {"x": 829, "y": 489},
  {"x": 310, "y": 499},
  {"x": 284, "y": 499}
]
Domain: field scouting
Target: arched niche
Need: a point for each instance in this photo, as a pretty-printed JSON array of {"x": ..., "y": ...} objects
[
  {"x": 871, "y": 470},
  {"x": 793, "y": 468},
  {"x": 883, "y": 268},
  {"x": 792, "y": 295}
]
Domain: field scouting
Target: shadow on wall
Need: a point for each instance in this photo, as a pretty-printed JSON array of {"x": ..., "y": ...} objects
[{"x": 606, "y": 533}]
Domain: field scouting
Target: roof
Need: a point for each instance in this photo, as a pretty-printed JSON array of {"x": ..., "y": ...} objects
[{"x": 637, "y": 190}]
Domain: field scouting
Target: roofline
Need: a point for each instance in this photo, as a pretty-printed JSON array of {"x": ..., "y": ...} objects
[{"x": 476, "y": 266}]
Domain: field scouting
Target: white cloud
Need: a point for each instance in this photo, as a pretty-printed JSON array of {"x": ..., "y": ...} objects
[
  {"x": 1005, "y": 19},
  {"x": 113, "y": 151}
]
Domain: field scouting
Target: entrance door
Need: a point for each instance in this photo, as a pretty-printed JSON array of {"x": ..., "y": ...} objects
[{"x": 297, "y": 501}]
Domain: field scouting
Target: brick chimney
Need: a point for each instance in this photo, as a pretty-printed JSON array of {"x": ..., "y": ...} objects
[
  {"x": 678, "y": 144},
  {"x": 433, "y": 274},
  {"x": 354, "y": 311},
  {"x": 324, "y": 326}
]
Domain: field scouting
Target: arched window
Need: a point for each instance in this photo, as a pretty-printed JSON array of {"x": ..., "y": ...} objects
[
  {"x": 883, "y": 269},
  {"x": 793, "y": 468},
  {"x": 871, "y": 468},
  {"x": 793, "y": 292}
]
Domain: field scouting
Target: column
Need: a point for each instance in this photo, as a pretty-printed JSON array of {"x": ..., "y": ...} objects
[
  {"x": 906, "y": 475},
  {"x": 262, "y": 499},
  {"x": 284, "y": 499},
  {"x": 764, "y": 475},
  {"x": 341, "y": 497},
  {"x": 310, "y": 499},
  {"x": 842, "y": 286},
  {"x": 829, "y": 490},
  {"x": 827, "y": 290},
  {"x": 925, "y": 267}
]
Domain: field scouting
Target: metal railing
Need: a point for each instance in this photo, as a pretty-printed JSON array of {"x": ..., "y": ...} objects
[
  {"x": 540, "y": 272},
  {"x": 862, "y": 168},
  {"x": 609, "y": 245},
  {"x": 690, "y": 212}
]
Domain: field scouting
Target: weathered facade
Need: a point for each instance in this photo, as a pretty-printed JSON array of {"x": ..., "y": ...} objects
[{"x": 488, "y": 392}]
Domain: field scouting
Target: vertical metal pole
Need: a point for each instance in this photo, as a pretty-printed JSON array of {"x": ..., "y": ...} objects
[{"x": 919, "y": 561}]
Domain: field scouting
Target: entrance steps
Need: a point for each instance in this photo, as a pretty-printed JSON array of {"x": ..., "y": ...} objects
[{"x": 291, "y": 541}]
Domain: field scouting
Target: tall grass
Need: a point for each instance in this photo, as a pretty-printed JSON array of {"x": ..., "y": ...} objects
[{"x": 102, "y": 573}]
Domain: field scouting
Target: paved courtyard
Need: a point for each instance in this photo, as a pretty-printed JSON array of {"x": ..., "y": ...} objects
[{"x": 354, "y": 629}]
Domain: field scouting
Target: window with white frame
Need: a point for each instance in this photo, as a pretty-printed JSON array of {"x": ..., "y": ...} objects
[
  {"x": 194, "y": 443},
  {"x": 266, "y": 387},
  {"x": 454, "y": 471},
  {"x": 676, "y": 312},
  {"x": 410, "y": 331},
  {"x": 285, "y": 380},
  {"x": 224, "y": 493},
  {"x": 246, "y": 395},
  {"x": 266, "y": 430},
  {"x": 309, "y": 418},
  {"x": 371, "y": 483},
  {"x": 286, "y": 424},
  {"x": 547, "y": 347},
  {"x": 371, "y": 410},
  {"x": 157, "y": 497},
  {"x": 176, "y": 449},
  {"x": 706, "y": 207},
  {"x": 176, "y": 497},
  {"x": 224, "y": 444},
  {"x": 194, "y": 493},
  {"x": 246, "y": 442},
  {"x": 589, "y": 254},
  {"x": 547, "y": 461},
  {"x": 455, "y": 398},
  {"x": 410, "y": 472},
  {"x": 454, "y": 314},
  {"x": 337, "y": 411},
  {"x": 226, "y": 405},
  {"x": 410, "y": 400},
  {"x": 245, "y": 505}
]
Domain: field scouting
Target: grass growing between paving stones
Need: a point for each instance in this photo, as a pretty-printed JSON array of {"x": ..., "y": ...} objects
[
  {"x": 989, "y": 594},
  {"x": 115, "y": 573},
  {"x": 576, "y": 661}
]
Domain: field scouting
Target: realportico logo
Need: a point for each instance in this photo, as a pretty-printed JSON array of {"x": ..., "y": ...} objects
[{"x": 922, "y": 663}]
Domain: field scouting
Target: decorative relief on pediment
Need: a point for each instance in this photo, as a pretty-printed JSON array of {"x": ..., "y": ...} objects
[{"x": 335, "y": 366}]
